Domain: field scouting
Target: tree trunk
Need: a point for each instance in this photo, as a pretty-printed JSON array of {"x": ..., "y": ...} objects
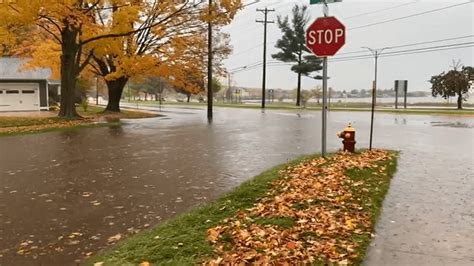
[
  {"x": 460, "y": 100},
  {"x": 298, "y": 91},
  {"x": 189, "y": 97},
  {"x": 69, "y": 73},
  {"x": 115, "y": 89}
]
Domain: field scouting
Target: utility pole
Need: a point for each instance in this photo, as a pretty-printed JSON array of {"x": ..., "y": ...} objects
[
  {"x": 265, "y": 22},
  {"x": 210, "y": 95},
  {"x": 376, "y": 53}
]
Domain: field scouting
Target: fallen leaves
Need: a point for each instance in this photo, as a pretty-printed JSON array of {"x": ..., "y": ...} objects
[
  {"x": 44, "y": 124},
  {"x": 114, "y": 238},
  {"x": 308, "y": 215}
]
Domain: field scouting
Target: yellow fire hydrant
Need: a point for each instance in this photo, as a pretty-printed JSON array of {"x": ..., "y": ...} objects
[{"x": 348, "y": 138}]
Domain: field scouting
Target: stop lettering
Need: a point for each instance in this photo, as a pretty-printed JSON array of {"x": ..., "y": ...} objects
[{"x": 325, "y": 36}]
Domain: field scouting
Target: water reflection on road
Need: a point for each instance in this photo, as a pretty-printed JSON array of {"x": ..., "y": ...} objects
[{"x": 63, "y": 194}]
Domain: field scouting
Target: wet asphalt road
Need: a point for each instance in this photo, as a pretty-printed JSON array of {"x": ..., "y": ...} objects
[{"x": 64, "y": 194}]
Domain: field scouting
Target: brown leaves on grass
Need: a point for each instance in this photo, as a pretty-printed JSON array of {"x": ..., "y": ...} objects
[
  {"x": 12, "y": 125},
  {"x": 309, "y": 214},
  {"x": 46, "y": 124}
]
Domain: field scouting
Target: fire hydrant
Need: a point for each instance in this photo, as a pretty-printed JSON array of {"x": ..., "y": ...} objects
[{"x": 348, "y": 136}]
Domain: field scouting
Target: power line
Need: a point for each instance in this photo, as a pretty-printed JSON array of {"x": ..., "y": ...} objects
[
  {"x": 361, "y": 57},
  {"x": 427, "y": 50},
  {"x": 245, "y": 22},
  {"x": 427, "y": 42},
  {"x": 347, "y": 18},
  {"x": 364, "y": 51},
  {"x": 381, "y": 10},
  {"x": 386, "y": 21},
  {"x": 409, "y": 16},
  {"x": 402, "y": 51},
  {"x": 391, "y": 47},
  {"x": 396, "y": 19},
  {"x": 249, "y": 49}
]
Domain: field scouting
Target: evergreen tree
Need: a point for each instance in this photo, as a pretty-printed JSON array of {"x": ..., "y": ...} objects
[{"x": 292, "y": 46}]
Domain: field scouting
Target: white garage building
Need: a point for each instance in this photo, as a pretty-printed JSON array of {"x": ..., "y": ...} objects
[{"x": 23, "y": 89}]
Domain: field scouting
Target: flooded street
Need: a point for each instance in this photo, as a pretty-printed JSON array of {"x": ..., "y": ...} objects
[{"x": 66, "y": 194}]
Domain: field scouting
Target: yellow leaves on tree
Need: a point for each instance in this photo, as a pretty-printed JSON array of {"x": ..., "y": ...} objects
[
  {"x": 46, "y": 54},
  {"x": 116, "y": 38},
  {"x": 222, "y": 12},
  {"x": 73, "y": 25},
  {"x": 174, "y": 49}
]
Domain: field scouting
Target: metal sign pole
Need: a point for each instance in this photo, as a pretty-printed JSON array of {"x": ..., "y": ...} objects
[
  {"x": 323, "y": 48},
  {"x": 325, "y": 88},
  {"x": 396, "y": 94},
  {"x": 325, "y": 106}
]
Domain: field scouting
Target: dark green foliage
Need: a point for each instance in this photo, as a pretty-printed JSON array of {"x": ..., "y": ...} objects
[
  {"x": 292, "y": 46},
  {"x": 453, "y": 83},
  {"x": 216, "y": 85}
]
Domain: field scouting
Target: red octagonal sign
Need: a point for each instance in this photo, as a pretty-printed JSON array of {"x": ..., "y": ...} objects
[{"x": 325, "y": 36}]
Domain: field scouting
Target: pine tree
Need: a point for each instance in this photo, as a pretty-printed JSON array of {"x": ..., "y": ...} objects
[{"x": 292, "y": 46}]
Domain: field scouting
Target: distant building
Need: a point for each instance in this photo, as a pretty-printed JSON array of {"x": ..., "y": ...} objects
[{"x": 24, "y": 90}]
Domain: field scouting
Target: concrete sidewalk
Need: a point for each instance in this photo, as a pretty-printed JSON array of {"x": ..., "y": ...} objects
[{"x": 428, "y": 214}]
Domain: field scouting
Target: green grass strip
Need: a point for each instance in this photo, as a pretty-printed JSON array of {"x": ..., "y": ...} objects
[
  {"x": 182, "y": 240},
  {"x": 371, "y": 196}
]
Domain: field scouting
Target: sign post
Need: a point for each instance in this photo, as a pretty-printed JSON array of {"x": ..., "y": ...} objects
[{"x": 324, "y": 37}]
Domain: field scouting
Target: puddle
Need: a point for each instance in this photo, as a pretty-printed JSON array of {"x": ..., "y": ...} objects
[{"x": 452, "y": 124}]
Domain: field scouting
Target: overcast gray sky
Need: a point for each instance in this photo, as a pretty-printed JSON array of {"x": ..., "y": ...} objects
[{"x": 454, "y": 22}]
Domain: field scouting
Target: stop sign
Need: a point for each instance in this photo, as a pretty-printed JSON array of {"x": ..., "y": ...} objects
[{"x": 325, "y": 36}]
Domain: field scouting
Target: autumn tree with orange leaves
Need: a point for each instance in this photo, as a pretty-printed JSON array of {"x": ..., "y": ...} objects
[
  {"x": 175, "y": 49},
  {"x": 72, "y": 25},
  {"x": 117, "y": 39}
]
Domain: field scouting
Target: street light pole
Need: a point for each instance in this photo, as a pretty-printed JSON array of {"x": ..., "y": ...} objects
[{"x": 376, "y": 53}]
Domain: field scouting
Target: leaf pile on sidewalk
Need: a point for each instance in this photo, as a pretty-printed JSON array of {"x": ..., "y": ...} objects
[{"x": 311, "y": 214}]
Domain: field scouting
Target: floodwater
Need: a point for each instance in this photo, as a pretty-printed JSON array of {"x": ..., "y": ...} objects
[{"x": 64, "y": 194}]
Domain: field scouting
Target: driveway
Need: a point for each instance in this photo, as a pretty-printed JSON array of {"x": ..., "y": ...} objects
[{"x": 65, "y": 194}]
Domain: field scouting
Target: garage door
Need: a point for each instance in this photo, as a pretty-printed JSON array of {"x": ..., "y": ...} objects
[{"x": 19, "y": 98}]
